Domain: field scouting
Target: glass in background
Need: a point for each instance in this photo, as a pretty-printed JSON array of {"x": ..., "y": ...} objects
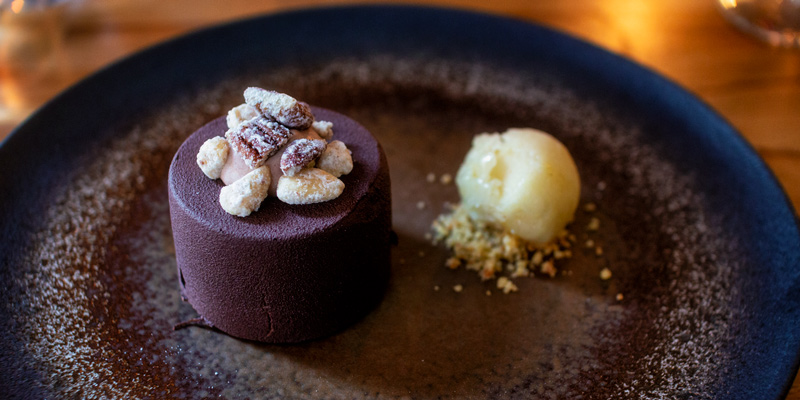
[{"x": 775, "y": 21}]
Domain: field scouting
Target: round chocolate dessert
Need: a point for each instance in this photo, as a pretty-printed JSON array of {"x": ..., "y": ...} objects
[{"x": 287, "y": 272}]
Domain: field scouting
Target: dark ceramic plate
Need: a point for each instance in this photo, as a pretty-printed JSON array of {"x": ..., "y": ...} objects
[{"x": 704, "y": 301}]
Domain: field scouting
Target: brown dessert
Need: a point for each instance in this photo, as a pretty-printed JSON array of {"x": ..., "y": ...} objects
[{"x": 286, "y": 237}]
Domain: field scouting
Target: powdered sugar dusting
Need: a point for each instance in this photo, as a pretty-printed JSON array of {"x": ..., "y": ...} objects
[{"x": 98, "y": 290}]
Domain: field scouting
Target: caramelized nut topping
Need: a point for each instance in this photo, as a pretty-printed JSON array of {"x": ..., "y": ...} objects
[
  {"x": 324, "y": 129},
  {"x": 300, "y": 153},
  {"x": 282, "y": 107},
  {"x": 310, "y": 185},
  {"x": 246, "y": 194},
  {"x": 212, "y": 156},
  {"x": 257, "y": 139},
  {"x": 336, "y": 159},
  {"x": 239, "y": 114},
  {"x": 261, "y": 128}
]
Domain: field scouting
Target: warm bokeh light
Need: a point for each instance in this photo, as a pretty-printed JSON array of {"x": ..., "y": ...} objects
[
  {"x": 30, "y": 42},
  {"x": 728, "y": 3},
  {"x": 9, "y": 103},
  {"x": 631, "y": 27},
  {"x": 16, "y": 6}
]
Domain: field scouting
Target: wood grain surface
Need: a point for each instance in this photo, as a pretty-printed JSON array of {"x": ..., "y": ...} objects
[{"x": 754, "y": 86}]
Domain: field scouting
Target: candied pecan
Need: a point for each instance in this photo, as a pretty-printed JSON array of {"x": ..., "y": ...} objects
[
  {"x": 282, "y": 107},
  {"x": 299, "y": 153},
  {"x": 257, "y": 139}
]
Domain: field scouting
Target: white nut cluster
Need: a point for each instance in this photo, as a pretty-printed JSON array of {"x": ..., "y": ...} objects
[
  {"x": 323, "y": 128},
  {"x": 310, "y": 172},
  {"x": 311, "y": 185},
  {"x": 212, "y": 156},
  {"x": 244, "y": 196},
  {"x": 242, "y": 112},
  {"x": 336, "y": 159},
  {"x": 319, "y": 181}
]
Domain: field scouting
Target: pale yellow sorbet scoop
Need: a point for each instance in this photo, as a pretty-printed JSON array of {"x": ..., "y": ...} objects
[{"x": 523, "y": 179}]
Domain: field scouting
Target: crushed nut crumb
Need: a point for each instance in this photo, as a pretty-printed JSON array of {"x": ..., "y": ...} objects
[
  {"x": 420, "y": 205},
  {"x": 493, "y": 252},
  {"x": 506, "y": 285},
  {"x": 458, "y": 288},
  {"x": 446, "y": 179},
  {"x": 590, "y": 207},
  {"x": 453, "y": 263},
  {"x": 605, "y": 274},
  {"x": 549, "y": 268},
  {"x": 619, "y": 297},
  {"x": 594, "y": 224},
  {"x": 431, "y": 177}
]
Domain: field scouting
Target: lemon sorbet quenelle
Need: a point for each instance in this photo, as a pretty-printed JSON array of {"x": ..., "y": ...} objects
[
  {"x": 519, "y": 190},
  {"x": 281, "y": 218}
]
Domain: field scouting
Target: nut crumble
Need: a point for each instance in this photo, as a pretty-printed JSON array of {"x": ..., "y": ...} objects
[{"x": 494, "y": 252}]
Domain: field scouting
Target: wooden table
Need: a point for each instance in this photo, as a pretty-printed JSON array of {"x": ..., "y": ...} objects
[{"x": 757, "y": 88}]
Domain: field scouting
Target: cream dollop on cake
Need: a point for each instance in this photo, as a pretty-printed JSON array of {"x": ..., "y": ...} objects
[{"x": 523, "y": 179}]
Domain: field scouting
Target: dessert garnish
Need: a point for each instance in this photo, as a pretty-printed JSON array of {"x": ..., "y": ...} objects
[
  {"x": 519, "y": 191},
  {"x": 272, "y": 125},
  {"x": 282, "y": 107},
  {"x": 301, "y": 153},
  {"x": 257, "y": 139},
  {"x": 240, "y": 198}
]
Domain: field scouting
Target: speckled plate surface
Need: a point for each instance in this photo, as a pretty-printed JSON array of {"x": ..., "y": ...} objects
[{"x": 702, "y": 244}]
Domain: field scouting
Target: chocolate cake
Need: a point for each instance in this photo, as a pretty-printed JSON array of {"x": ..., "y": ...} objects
[{"x": 285, "y": 273}]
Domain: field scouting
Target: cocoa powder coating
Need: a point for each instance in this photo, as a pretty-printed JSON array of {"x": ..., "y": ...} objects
[{"x": 286, "y": 273}]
